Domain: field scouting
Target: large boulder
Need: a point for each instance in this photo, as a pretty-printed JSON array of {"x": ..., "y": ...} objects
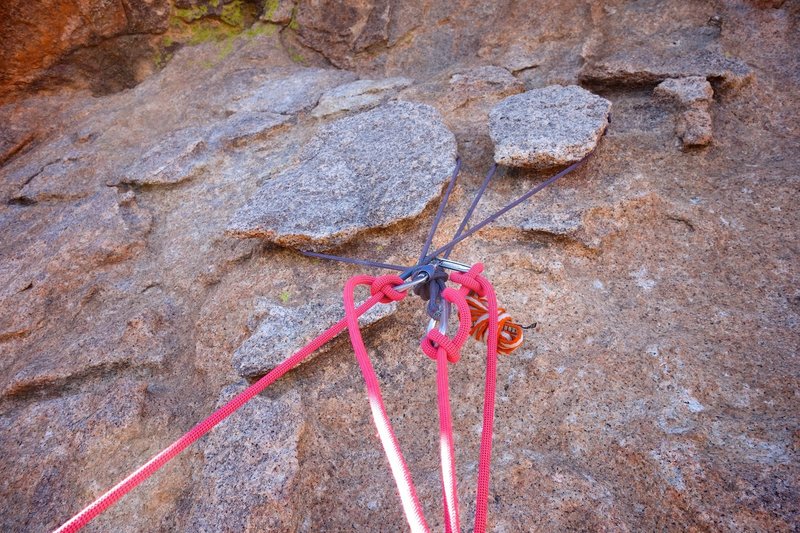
[{"x": 367, "y": 171}]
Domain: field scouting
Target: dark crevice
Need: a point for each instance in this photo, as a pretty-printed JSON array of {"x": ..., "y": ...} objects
[
  {"x": 541, "y": 237},
  {"x": 20, "y": 147},
  {"x": 616, "y": 87},
  {"x": 681, "y": 220},
  {"x": 38, "y": 172},
  {"x": 22, "y": 201},
  {"x": 559, "y": 239},
  {"x": 42, "y": 388},
  {"x": 150, "y": 286},
  {"x": 523, "y": 69},
  {"x": 33, "y": 176}
]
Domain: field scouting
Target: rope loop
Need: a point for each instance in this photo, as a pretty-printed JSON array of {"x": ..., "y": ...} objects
[
  {"x": 434, "y": 340},
  {"x": 386, "y": 285},
  {"x": 510, "y": 335},
  {"x": 452, "y": 346}
]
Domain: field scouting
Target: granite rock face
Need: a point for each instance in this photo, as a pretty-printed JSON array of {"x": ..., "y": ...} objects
[
  {"x": 694, "y": 127},
  {"x": 381, "y": 167},
  {"x": 178, "y": 156},
  {"x": 167, "y": 146},
  {"x": 278, "y": 11},
  {"x": 241, "y": 129},
  {"x": 92, "y": 423},
  {"x": 286, "y": 90},
  {"x": 251, "y": 461},
  {"x": 479, "y": 81},
  {"x": 284, "y": 330},
  {"x": 466, "y": 95},
  {"x": 686, "y": 91},
  {"x": 641, "y": 49},
  {"x": 549, "y": 127},
  {"x": 57, "y": 248},
  {"x": 356, "y": 26},
  {"x": 658, "y": 391},
  {"x": 45, "y": 41}
]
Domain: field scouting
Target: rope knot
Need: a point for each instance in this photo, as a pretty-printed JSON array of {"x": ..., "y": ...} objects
[
  {"x": 386, "y": 285},
  {"x": 435, "y": 340},
  {"x": 471, "y": 280}
]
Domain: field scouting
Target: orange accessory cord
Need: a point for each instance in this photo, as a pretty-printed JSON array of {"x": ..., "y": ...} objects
[{"x": 511, "y": 333}]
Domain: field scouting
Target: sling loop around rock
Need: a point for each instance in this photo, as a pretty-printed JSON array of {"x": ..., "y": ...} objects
[{"x": 462, "y": 233}]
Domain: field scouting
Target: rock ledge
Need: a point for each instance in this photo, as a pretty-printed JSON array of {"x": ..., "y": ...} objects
[{"x": 549, "y": 127}]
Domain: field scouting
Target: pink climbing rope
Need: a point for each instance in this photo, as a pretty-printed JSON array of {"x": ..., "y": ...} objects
[
  {"x": 484, "y": 289},
  {"x": 108, "y": 499},
  {"x": 448, "y": 351},
  {"x": 443, "y": 350},
  {"x": 436, "y": 345},
  {"x": 405, "y": 486}
]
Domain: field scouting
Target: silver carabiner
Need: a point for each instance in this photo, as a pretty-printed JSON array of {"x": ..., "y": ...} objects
[
  {"x": 421, "y": 278},
  {"x": 443, "y": 318},
  {"x": 451, "y": 265}
]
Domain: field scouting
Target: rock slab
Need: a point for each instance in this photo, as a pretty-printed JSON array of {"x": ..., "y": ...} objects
[
  {"x": 549, "y": 127},
  {"x": 478, "y": 82},
  {"x": 285, "y": 330},
  {"x": 80, "y": 435},
  {"x": 358, "y": 96},
  {"x": 366, "y": 171},
  {"x": 686, "y": 91},
  {"x": 639, "y": 52}
]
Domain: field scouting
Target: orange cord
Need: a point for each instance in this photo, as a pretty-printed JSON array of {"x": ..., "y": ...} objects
[{"x": 511, "y": 334}]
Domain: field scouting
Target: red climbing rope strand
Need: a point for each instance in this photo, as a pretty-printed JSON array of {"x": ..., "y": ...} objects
[
  {"x": 485, "y": 461},
  {"x": 448, "y": 351},
  {"x": 473, "y": 282},
  {"x": 153, "y": 465},
  {"x": 446, "y": 446},
  {"x": 444, "y": 350},
  {"x": 402, "y": 476}
]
